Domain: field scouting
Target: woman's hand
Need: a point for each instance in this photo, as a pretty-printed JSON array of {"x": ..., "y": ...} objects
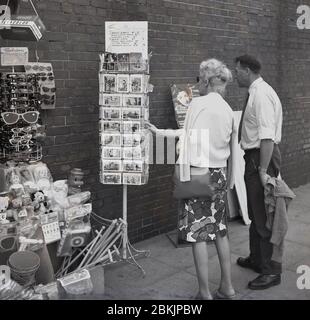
[{"x": 150, "y": 127}]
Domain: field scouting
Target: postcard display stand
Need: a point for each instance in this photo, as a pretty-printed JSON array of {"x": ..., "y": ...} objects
[{"x": 124, "y": 144}]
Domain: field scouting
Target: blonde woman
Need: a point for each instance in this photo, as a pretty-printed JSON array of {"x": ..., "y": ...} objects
[{"x": 205, "y": 144}]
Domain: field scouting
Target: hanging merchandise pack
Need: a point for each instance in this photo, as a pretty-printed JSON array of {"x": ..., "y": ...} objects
[{"x": 46, "y": 81}]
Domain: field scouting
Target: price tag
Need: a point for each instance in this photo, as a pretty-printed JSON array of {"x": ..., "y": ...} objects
[{"x": 51, "y": 232}]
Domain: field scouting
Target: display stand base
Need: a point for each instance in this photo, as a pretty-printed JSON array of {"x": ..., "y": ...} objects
[
  {"x": 119, "y": 249},
  {"x": 132, "y": 253},
  {"x": 127, "y": 247}
]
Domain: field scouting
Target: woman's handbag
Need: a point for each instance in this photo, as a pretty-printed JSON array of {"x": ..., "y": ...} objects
[{"x": 198, "y": 187}]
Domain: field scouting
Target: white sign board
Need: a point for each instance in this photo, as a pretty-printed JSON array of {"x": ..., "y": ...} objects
[
  {"x": 126, "y": 37},
  {"x": 14, "y": 56}
]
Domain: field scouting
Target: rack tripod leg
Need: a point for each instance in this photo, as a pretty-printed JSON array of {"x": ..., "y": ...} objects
[
  {"x": 126, "y": 245},
  {"x": 125, "y": 231}
]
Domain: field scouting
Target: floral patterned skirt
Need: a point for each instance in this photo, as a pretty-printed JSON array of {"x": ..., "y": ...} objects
[{"x": 203, "y": 219}]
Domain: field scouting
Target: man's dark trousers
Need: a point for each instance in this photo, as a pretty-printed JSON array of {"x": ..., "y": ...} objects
[{"x": 260, "y": 247}]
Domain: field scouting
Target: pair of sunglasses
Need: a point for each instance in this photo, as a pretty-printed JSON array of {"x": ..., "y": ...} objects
[
  {"x": 48, "y": 102},
  {"x": 13, "y": 117},
  {"x": 24, "y": 141},
  {"x": 37, "y": 67},
  {"x": 46, "y": 89},
  {"x": 44, "y": 78},
  {"x": 23, "y": 130},
  {"x": 18, "y": 136}
]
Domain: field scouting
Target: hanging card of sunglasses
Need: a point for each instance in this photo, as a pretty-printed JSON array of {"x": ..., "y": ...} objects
[
  {"x": 46, "y": 82},
  {"x": 19, "y": 91},
  {"x": 18, "y": 139}
]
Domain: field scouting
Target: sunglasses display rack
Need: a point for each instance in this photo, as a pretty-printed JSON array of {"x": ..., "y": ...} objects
[
  {"x": 123, "y": 109},
  {"x": 20, "y": 102}
]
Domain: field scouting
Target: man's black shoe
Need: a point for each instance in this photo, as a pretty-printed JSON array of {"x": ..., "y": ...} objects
[
  {"x": 265, "y": 281},
  {"x": 247, "y": 263}
]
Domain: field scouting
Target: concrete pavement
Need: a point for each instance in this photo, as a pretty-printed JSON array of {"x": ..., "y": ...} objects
[{"x": 170, "y": 271}]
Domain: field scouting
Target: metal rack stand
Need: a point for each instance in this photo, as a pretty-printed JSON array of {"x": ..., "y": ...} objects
[{"x": 129, "y": 252}]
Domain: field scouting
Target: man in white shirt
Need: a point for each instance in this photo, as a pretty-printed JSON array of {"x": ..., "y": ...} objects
[{"x": 259, "y": 135}]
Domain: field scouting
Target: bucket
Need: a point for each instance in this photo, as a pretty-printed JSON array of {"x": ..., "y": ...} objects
[{"x": 24, "y": 265}]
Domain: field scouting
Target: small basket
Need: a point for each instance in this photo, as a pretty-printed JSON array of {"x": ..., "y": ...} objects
[{"x": 78, "y": 282}]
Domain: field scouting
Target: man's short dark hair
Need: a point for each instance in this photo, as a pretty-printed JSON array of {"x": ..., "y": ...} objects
[{"x": 247, "y": 61}]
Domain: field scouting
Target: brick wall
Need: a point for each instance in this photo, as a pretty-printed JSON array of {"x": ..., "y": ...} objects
[
  {"x": 295, "y": 93},
  {"x": 181, "y": 34}
]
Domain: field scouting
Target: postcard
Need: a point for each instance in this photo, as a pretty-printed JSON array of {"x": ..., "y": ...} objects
[
  {"x": 133, "y": 100},
  {"x": 113, "y": 100},
  {"x": 133, "y": 165},
  {"x": 110, "y": 140},
  {"x": 123, "y": 83},
  {"x": 137, "y": 63},
  {"x": 123, "y": 62},
  {"x": 114, "y": 153},
  {"x": 137, "y": 83},
  {"x": 132, "y": 153},
  {"x": 111, "y": 165},
  {"x": 109, "y": 82},
  {"x": 114, "y": 126},
  {"x": 131, "y": 140},
  {"x": 131, "y": 113},
  {"x": 110, "y": 113},
  {"x": 131, "y": 127},
  {"x": 132, "y": 178},
  {"x": 110, "y": 61},
  {"x": 111, "y": 178}
]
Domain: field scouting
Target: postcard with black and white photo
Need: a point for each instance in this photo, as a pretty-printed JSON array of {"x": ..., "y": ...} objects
[
  {"x": 111, "y": 153},
  {"x": 110, "y": 126},
  {"x": 132, "y": 178},
  {"x": 109, "y": 82},
  {"x": 131, "y": 113},
  {"x": 111, "y": 178},
  {"x": 111, "y": 165},
  {"x": 123, "y": 62},
  {"x": 110, "y": 113},
  {"x": 137, "y": 63},
  {"x": 131, "y": 100},
  {"x": 137, "y": 83},
  {"x": 113, "y": 100},
  {"x": 132, "y": 153},
  {"x": 131, "y": 126},
  {"x": 123, "y": 84},
  {"x": 133, "y": 165},
  {"x": 132, "y": 140},
  {"x": 110, "y": 140}
]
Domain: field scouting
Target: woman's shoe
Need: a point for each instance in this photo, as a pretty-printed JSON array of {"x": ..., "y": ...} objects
[{"x": 218, "y": 295}]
